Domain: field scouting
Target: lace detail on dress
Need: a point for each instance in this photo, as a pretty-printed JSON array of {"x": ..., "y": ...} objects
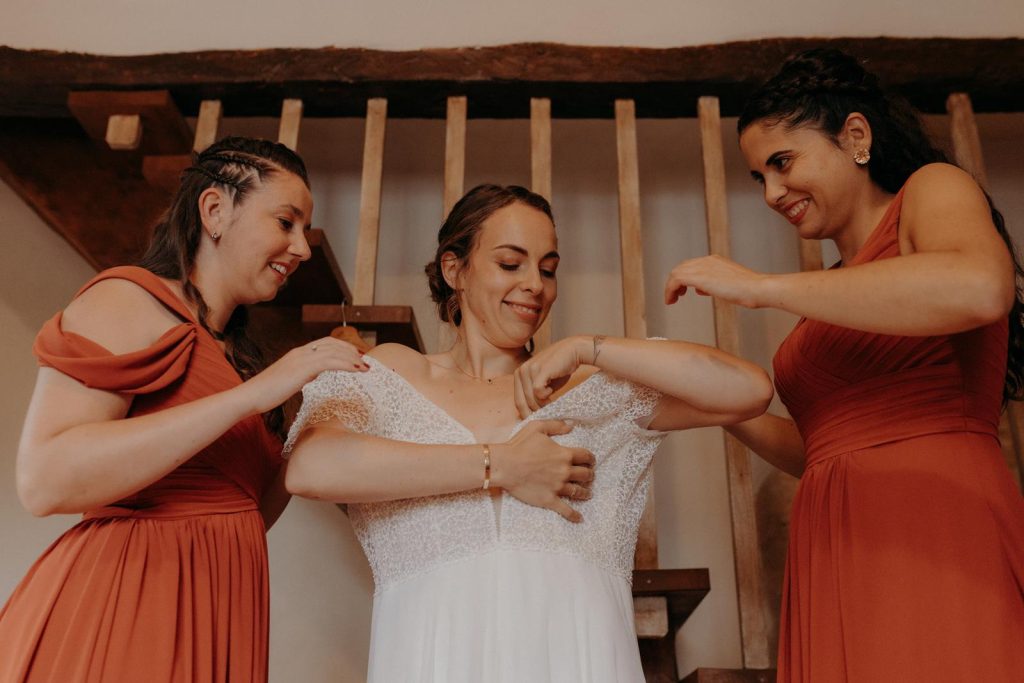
[{"x": 403, "y": 538}]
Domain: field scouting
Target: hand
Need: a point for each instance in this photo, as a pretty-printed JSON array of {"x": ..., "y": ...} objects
[
  {"x": 536, "y": 470},
  {"x": 545, "y": 373},
  {"x": 715, "y": 276},
  {"x": 290, "y": 372}
]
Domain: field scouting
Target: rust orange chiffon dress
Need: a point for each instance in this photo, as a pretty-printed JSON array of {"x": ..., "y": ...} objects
[
  {"x": 169, "y": 584},
  {"x": 906, "y": 550}
]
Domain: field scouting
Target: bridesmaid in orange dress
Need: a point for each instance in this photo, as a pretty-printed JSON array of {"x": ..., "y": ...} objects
[
  {"x": 906, "y": 549},
  {"x": 152, "y": 415}
]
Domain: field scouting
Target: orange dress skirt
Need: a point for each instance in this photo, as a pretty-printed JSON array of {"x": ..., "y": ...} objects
[
  {"x": 906, "y": 549},
  {"x": 169, "y": 584}
]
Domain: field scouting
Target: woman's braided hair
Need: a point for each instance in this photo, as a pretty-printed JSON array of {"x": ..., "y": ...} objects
[
  {"x": 236, "y": 165},
  {"x": 821, "y": 88}
]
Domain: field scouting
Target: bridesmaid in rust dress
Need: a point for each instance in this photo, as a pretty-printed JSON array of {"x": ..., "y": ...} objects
[
  {"x": 152, "y": 415},
  {"x": 906, "y": 550}
]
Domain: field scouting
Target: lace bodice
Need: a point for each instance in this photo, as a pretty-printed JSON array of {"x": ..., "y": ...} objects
[{"x": 402, "y": 538}]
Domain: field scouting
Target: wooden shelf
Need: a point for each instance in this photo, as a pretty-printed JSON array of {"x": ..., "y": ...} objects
[
  {"x": 391, "y": 323},
  {"x": 683, "y": 590},
  {"x": 731, "y": 676}
]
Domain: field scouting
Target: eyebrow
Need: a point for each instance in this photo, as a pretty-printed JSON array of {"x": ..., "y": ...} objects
[
  {"x": 520, "y": 250},
  {"x": 294, "y": 209}
]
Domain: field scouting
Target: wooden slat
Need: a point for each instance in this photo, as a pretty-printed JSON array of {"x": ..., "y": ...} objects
[
  {"x": 633, "y": 300},
  {"x": 749, "y": 577},
  {"x": 291, "y": 121},
  {"x": 124, "y": 131},
  {"x": 810, "y": 254},
  {"x": 651, "y": 616},
  {"x": 369, "y": 201},
  {"x": 454, "y": 153},
  {"x": 968, "y": 155},
  {"x": 540, "y": 177},
  {"x": 207, "y": 125}
]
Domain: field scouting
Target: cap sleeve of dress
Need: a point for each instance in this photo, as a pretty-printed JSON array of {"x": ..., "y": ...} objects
[
  {"x": 333, "y": 394},
  {"x": 139, "y": 372}
]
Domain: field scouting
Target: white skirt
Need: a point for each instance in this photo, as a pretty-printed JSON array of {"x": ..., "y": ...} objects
[{"x": 507, "y": 616}]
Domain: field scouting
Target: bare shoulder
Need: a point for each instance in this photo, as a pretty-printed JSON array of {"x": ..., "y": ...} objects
[
  {"x": 944, "y": 207},
  {"x": 399, "y": 357},
  {"x": 119, "y": 315},
  {"x": 941, "y": 184}
]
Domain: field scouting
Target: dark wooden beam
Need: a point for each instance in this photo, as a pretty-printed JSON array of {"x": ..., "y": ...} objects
[{"x": 499, "y": 81}]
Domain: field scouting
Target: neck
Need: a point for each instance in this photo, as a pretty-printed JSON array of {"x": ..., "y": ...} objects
[
  {"x": 481, "y": 360},
  {"x": 871, "y": 205},
  {"x": 218, "y": 302}
]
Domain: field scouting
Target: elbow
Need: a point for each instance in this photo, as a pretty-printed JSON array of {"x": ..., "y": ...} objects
[
  {"x": 36, "y": 492},
  {"x": 990, "y": 300},
  {"x": 297, "y": 479},
  {"x": 760, "y": 397}
]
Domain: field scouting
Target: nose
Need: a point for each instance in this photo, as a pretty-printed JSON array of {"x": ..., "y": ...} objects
[
  {"x": 774, "y": 191},
  {"x": 299, "y": 246},
  {"x": 532, "y": 281}
]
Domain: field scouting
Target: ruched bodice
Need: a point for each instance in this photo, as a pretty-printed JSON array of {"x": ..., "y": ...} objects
[
  {"x": 906, "y": 554},
  {"x": 169, "y": 583}
]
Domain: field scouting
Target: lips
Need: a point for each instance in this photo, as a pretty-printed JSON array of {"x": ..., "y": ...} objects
[
  {"x": 795, "y": 211},
  {"x": 280, "y": 269},
  {"x": 524, "y": 311}
]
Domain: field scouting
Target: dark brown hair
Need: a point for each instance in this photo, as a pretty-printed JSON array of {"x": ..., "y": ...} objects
[
  {"x": 458, "y": 235},
  {"x": 236, "y": 165},
  {"x": 821, "y": 88}
]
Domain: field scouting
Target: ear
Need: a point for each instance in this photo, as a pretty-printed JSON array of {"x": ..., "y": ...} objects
[
  {"x": 450, "y": 269},
  {"x": 214, "y": 211},
  {"x": 855, "y": 133}
]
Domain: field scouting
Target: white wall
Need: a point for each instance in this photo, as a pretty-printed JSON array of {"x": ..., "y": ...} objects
[
  {"x": 143, "y": 26},
  {"x": 320, "y": 581}
]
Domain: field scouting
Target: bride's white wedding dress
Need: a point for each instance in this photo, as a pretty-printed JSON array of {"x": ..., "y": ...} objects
[{"x": 472, "y": 592}]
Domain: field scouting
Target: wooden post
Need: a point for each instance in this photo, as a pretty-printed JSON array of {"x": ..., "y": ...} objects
[
  {"x": 747, "y": 556},
  {"x": 454, "y": 153},
  {"x": 540, "y": 177},
  {"x": 207, "y": 125},
  {"x": 967, "y": 153},
  {"x": 633, "y": 299},
  {"x": 291, "y": 120},
  {"x": 369, "y": 202}
]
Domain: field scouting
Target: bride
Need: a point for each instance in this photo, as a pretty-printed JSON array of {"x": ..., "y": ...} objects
[{"x": 449, "y": 460}]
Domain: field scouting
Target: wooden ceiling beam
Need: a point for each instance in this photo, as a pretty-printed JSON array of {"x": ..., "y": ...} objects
[{"x": 582, "y": 82}]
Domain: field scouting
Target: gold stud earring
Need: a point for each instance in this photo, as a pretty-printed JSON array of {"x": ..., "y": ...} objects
[{"x": 862, "y": 156}]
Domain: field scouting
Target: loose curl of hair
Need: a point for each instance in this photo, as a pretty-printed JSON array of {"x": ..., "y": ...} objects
[
  {"x": 458, "y": 236},
  {"x": 821, "y": 88},
  {"x": 236, "y": 165}
]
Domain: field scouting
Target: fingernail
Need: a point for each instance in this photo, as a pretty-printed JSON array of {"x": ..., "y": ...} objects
[
  {"x": 361, "y": 352},
  {"x": 570, "y": 423}
]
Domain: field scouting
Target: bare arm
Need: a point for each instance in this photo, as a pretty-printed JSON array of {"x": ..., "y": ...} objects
[
  {"x": 956, "y": 273},
  {"x": 775, "y": 439},
  {"x": 700, "y": 384},
  {"x": 330, "y": 462},
  {"x": 79, "y": 451}
]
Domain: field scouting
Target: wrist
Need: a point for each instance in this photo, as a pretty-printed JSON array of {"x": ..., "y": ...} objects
[
  {"x": 498, "y": 473},
  {"x": 768, "y": 291}
]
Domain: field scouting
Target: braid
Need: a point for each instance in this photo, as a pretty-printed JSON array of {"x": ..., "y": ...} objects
[{"x": 237, "y": 165}]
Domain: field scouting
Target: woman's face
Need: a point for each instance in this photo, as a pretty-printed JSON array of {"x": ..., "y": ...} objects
[
  {"x": 265, "y": 237},
  {"x": 806, "y": 177},
  {"x": 508, "y": 281}
]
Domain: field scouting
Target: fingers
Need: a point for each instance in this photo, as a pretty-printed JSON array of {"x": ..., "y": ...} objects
[
  {"x": 329, "y": 353},
  {"x": 522, "y": 407},
  {"x": 581, "y": 475},
  {"x": 673, "y": 290},
  {"x": 554, "y": 428},
  {"x": 562, "y": 508},
  {"x": 582, "y": 457}
]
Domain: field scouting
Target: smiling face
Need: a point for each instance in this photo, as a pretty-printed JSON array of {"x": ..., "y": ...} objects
[
  {"x": 807, "y": 177},
  {"x": 263, "y": 239},
  {"x": 507, "y": 283}
]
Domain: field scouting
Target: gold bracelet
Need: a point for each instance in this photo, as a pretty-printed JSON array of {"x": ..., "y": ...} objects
[{"x": 487, "y": 466}]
